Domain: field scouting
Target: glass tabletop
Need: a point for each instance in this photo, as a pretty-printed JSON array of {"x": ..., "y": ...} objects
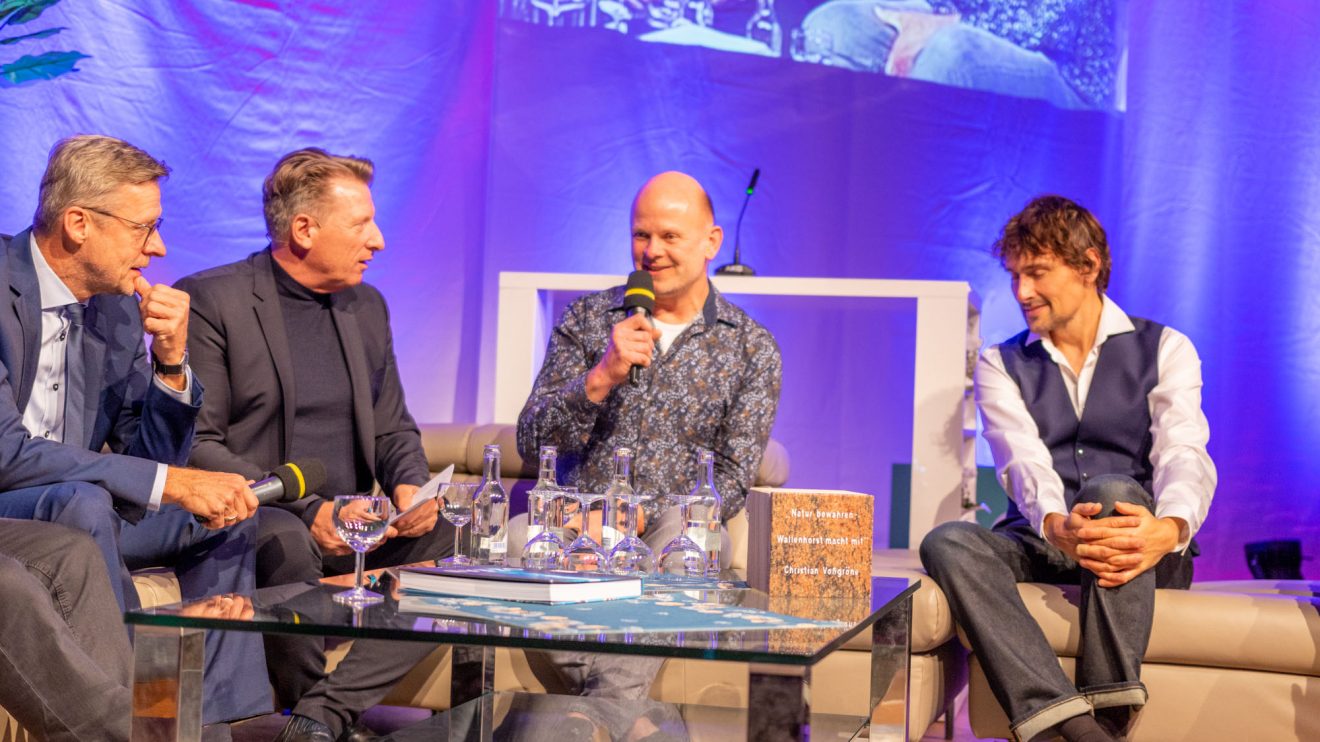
[{"x": 307, "y": 608}]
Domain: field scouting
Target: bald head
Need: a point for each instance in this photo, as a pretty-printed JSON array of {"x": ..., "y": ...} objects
[
  {"x": 674, "y": 238},
  {"x": 676, "y": 190}
]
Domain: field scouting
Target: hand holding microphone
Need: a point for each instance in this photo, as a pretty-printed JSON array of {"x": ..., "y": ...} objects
[
  {"x": 220, "y": 499},
  {"x": 632, "y": 341}
]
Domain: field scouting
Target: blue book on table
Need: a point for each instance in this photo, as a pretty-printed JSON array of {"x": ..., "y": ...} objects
[{"x": 511, "y": 583}]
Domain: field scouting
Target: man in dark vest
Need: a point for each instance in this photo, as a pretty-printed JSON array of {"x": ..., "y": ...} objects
[{"x": 1094, "y": 419}]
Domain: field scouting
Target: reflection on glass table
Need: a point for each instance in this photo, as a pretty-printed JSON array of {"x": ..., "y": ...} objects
[{"x": 778, "y": 661}]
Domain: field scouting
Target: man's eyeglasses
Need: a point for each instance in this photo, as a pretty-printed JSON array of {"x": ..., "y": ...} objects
[{"x": 148, "y": 229}]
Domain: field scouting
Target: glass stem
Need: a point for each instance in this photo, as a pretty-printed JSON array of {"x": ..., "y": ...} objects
[
  {"x": 458, "y": 533},
  {"x": 361, "y": 558}
]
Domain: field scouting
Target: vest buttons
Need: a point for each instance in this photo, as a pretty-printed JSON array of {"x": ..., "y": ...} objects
[
  {"x": 1080, "y": 452},
  {"x": 1085, "y": 475}
]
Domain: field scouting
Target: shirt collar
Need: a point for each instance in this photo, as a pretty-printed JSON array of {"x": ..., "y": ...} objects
[
  {"x": 54, "y": 293},
  {"x": 1113, "y": 321}
]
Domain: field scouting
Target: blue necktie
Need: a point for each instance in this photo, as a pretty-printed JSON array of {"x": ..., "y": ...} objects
[{"x": 75, "y": 433}]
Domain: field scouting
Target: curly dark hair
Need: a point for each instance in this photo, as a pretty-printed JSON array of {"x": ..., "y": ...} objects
[{"x": 1054, "y": 225}]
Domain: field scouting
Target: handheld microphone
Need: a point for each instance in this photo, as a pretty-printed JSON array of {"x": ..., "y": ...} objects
[
  {"x": 288, "y": 483},
  {"x": 736, "y": 268},
  {"x": 638, "y": 298}
]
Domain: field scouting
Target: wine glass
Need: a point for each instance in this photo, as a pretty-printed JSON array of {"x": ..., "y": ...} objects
[
  {"x": 456, "y": 501},
  {"x": 361, "y": 521},
  {"x": 584, "y": 554},
  {"x": 682, "y": 555},
  {"x": 631, "y": 555},
  {"x": 545, "y": 549}
]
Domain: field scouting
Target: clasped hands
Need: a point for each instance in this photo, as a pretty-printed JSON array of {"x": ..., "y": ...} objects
[{"x": 1116, "y": 549}]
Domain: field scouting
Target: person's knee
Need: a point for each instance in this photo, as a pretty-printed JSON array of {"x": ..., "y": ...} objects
[
  {"x": 286, "y": 551},
  {"x": 1109, "y": 489},
  {"x": 81, "y": 506},
  {"x": 947, "y": 542}
]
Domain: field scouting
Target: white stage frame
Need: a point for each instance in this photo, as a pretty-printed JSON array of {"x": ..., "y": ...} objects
[{"x": 947, "y": 340}]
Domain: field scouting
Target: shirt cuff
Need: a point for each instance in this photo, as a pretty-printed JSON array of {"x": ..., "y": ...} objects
[
  {"x": 158, "y": 486},
  {"x": 1178, "y": 510},
  {"x": 182, "y": 395},
  {"x": 578, "y": 403}
]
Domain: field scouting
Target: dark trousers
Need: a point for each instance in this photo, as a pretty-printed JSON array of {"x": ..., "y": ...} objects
[
  {"x": 978, "y": 570},
  {"x": 286, "y": 553},
  {"x": 66, "y": 668},
  {"x": 206, "y": 563}
]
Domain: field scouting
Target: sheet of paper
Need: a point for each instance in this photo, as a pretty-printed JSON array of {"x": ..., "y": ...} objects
[{"x": 429, "y": 491}]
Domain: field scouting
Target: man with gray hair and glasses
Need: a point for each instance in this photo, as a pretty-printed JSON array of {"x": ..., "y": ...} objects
[{"x": 71, "y": 342}]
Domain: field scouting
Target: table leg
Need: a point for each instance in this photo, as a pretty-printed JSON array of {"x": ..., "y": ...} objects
[
  {"x": 778, "y": 703},
  {"x": 167, "y": 684},
  {"x": 891, "y": 648},
  {"x": 473, "y": 679}
]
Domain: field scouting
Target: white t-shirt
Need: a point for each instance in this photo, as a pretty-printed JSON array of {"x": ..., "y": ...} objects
[{"x": 668, "y": 332}]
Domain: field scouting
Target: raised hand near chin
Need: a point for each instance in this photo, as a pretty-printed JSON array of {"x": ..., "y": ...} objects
[{"x": 164, "y": 312}]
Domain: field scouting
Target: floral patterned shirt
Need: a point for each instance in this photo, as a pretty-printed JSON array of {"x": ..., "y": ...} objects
[{"x": 716, "y": 388}]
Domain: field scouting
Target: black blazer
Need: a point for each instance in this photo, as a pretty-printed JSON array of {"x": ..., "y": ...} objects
[{"x": 237, "y": 345}]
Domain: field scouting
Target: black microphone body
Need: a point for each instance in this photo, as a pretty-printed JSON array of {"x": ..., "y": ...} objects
[
  {"x": 638, "y": 298},
  {"x": 288, "y": 483}
]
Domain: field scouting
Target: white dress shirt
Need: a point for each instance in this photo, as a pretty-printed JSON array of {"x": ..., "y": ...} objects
[
  {"x": 44, "y": 415},
  {"x": 1184, "y": 475}
]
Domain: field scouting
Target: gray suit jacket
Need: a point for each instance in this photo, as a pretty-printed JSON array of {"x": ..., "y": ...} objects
[{"x": 238, "y": 347}]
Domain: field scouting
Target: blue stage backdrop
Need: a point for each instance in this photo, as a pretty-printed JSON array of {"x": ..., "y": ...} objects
[{"x": 503, "y": 144}]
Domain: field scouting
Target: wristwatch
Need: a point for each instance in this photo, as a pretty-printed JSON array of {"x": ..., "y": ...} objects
[{"x": 166, "y": 369}]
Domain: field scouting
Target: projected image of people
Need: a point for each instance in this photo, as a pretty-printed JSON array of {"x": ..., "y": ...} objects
[{"x": 1066, "y": 52}]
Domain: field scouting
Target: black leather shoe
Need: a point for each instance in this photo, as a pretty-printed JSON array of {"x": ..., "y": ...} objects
[
  {"x": 358, "y": 733},
  {"x": 302, "y": 729}
]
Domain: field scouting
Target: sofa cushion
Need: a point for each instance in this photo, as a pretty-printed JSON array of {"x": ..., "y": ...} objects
[
  {"x": 1270, "y": 632},
  {"x": 932, "y": 623}
]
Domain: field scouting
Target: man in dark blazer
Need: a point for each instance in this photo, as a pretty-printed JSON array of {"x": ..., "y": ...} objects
[
  {"x": 71, "y": 342},
  {"x": 298, "y": 361}
]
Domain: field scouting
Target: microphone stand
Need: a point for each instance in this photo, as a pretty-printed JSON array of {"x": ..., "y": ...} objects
[{"x": 737, "y": 268}]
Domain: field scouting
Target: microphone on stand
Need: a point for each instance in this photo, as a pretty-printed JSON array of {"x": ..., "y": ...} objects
[
  {"x": 638, "y": 298},
  {"x": 736, "y": 268}
]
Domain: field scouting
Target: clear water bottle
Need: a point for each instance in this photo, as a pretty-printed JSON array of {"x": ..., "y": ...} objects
[
  {"x": 764, "y": 27},
  {"x": 617, "y": 497},
  {"x": 543, "y": 499},
  {"x": 704, "y": 506},
  {"x": 490, "y": 513},
  {"x": 545, "y": 544}
]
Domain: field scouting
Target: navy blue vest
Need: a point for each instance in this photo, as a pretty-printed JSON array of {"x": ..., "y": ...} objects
[{"x": 1113, "y": 436}]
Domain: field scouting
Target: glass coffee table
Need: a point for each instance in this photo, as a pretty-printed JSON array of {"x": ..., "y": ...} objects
[{"x": 779, "y": 662}]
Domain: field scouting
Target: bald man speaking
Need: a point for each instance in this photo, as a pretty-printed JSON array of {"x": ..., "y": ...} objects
[{"x": 710, "y": 380}]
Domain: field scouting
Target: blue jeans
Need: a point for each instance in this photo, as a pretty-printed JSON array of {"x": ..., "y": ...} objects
[{"x": 978, "y": 569}]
